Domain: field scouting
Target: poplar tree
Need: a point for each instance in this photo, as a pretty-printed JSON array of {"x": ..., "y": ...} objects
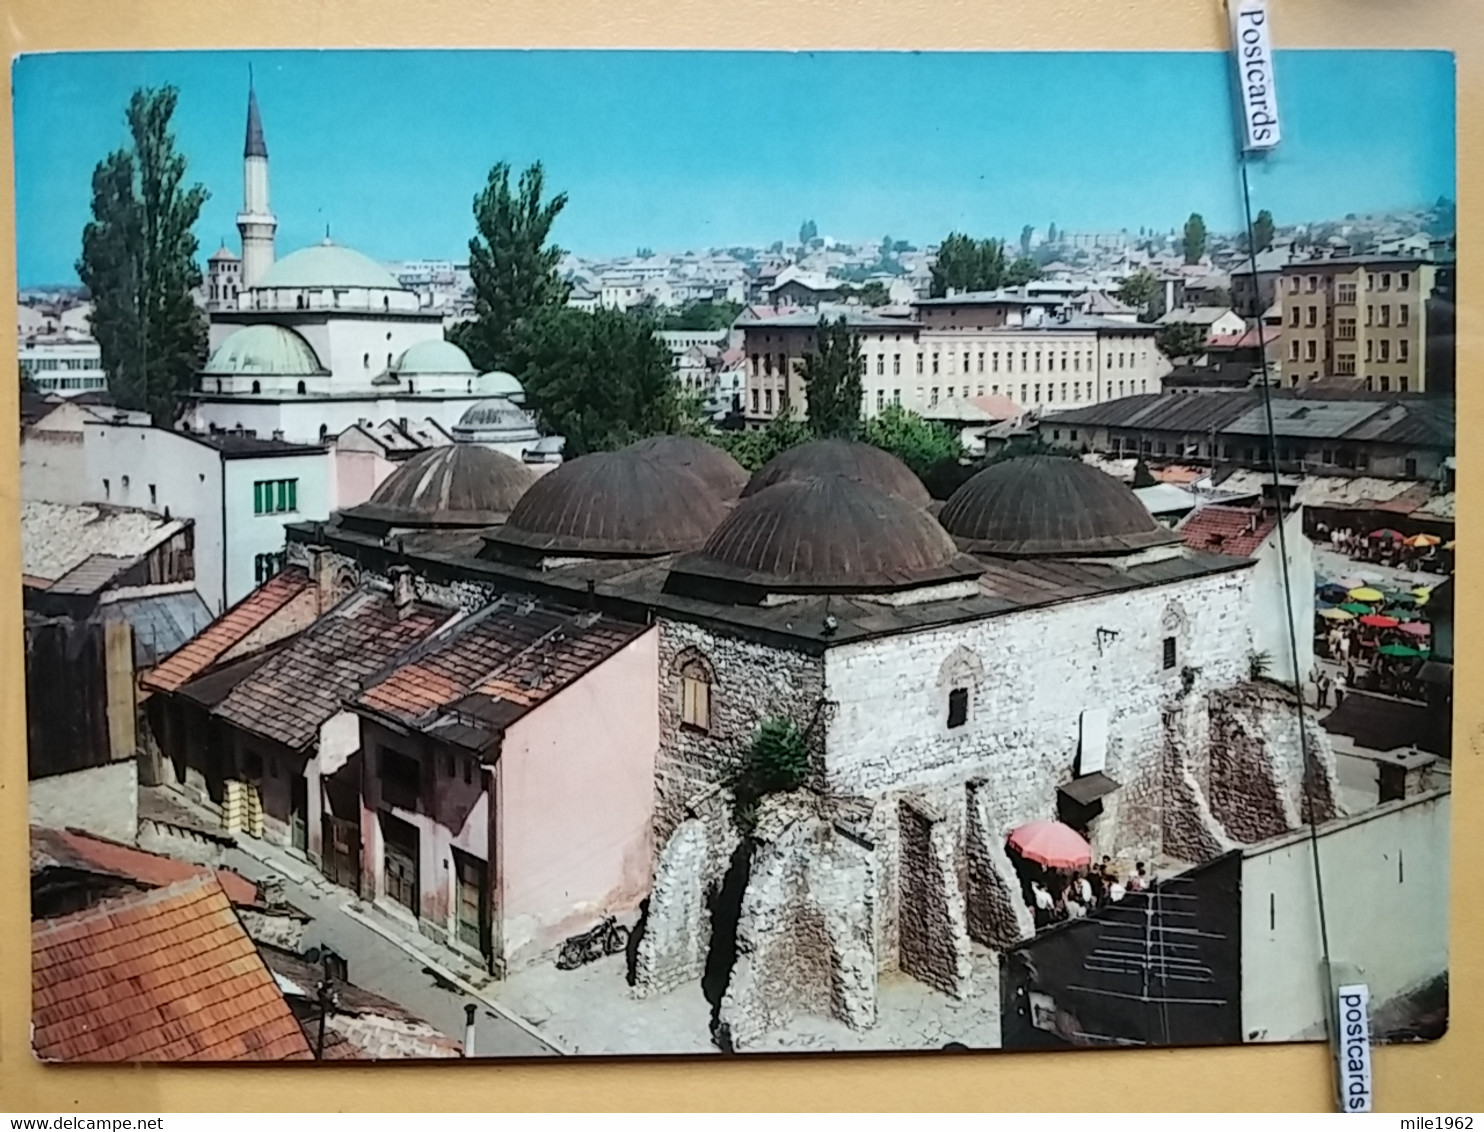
[
  {"x": 139, "y": 263},
  {"x": 832, "y": 382}
]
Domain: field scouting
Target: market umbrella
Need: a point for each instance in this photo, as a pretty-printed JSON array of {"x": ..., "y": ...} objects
[
  {"x": 1416, "y": 629},
  {"x": 1365, "y": 593},
  {"x": 1377, "y": 621},
  {"x": 1398, "y": 650},
  {"x": 1333, "y": 593},
  {"x": 1052, "y": 844},
  {"x": 1422, "y": 540},
  {"x": 1355, "y": 608},
  {"x": 1336, "y": 615},
  {"x": 1448, "y": 546},
  {"x": 1401, "y": 599},
  {"x": 1421, "y": 591},
  {"x": 1386, "y": 534},
  {"x": 1362, "y": 578}
]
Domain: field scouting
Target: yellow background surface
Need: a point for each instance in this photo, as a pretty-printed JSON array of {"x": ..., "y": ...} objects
[{"x": 1438, "y": 1078}]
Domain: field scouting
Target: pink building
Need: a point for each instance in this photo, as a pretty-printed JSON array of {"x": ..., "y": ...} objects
[{"x": 494, "y": 814}]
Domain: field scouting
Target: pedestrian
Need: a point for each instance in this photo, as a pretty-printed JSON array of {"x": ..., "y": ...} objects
[
  {"x": 1139, "y": 881},
  {"x": 1044, "y": 904},
  {"x": 1340, "y": 685},
  {"x": 1321, "y": 691},
  {"x": 1350, "y": 672},
  {"x": 1116, "y": 891},
  {"x": 1084, "y": 889}
]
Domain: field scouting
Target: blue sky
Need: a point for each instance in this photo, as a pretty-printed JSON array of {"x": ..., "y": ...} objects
[{"x": 675, "y": 150}]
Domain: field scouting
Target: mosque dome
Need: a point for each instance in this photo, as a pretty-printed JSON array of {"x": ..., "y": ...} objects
[
  {"x": 852, "y": 459},
  {"x": 612, "y": 505},
  {"x": 435, "y": 356},
  {"x": 264, "y": 350},
  {"x": 715, "y": 468},
  {"x": 825, "y": 534},
  {"x": 1049, "y": 506},
  {"x": 498, "y": 383},
  {"x": 453, "y": 485},
  {"x": 327, "y": 265},
  {"x": 495, "y": 420}
]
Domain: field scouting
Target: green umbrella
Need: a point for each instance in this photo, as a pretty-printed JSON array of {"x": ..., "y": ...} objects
[
  {"x": 1355, "y": 607},
  {"x": 1398, "y": 650}
]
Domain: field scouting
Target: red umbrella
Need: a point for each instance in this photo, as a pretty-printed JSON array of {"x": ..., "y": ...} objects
[
  {"x": 1416, "y": 628},
  {"x": 1052, "y": 844},
  {"x": 1379, "y": 621},
  {"x": 1388, "y": 534}
]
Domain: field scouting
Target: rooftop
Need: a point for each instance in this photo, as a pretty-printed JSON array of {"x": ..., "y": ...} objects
[
  {"x": 56, "y": 538},
  {"x": 1220, "y": 529},
  {"x": 167, "y": 975},
  {"x": 77, "y": 850}
]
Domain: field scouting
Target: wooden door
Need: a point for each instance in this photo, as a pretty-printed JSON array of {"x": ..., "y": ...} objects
[{"x": 400, "y": 861}]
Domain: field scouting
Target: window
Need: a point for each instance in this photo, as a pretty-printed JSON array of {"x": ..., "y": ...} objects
[
  {"x": 695, "y": 696},
  {"x": 880, "y": 399},
  {"x": 1409, "y": 468},
  {"x": 880, "y": 365},
  {"x": 1345, "y": 293},
  {"x": 981, "y": 361},
  {"x": 1072, "y": 435},
  {"x": 933, "y": 400},
  {"x": 401, "y": 779},
  {"x": 105, "y": 489},
  {"x": 1169, "y": 653},
  {"x": 755, "y": 396},
  {"x": 1056, "y": 434},
  {"x": 1313, "y": 284},
  {"x": 1370, "y": 316},
  {"x": 1345, "y": 364},
  {"x": 767, "y": 400},
  {"x": 958, "y": 707},
  {"x": 1403, "y": 314},
  {"x": 966, "y": 361},
  {"x": 265, "y": 566},
  {"x": 1384, "y": 346},
  {"x": 935, "y": 363},
  {"x": 257, "y": 387},
  {"x": 1370, "y": 383},
  {"x": 1385, "y": 314},
  {"x": 1370, "y": 350},
  {"x": 1025, "y": 391},
  {"x": 919, "y": 363},
  {"x": 1076, "y": 361},
  {"x": 152, "y": 494},
  {"x": 1038, "y": 361},
  {"x": 994, "y": 362},
  {"x": 1401, "y": 383},
  {"x": 273, "y": 497},
  {"x": 896, "y": 396},
  {"x": 1312, "y": 317},
  {"x": 1063, "y": 390},
  {"x": 1293, "y": 350},
  {"x": 1293, "y": 285},
  {"x": 896, "y": 364},
  {"x": 768, "y": 365},
  {"x": 1293, "y": 316},
  {"x": 1311, "y": 349},
  {"x": 1402, "y": 281},
  {"x": 1386, "y": 281},
  {"x": 1345, "y": 329},
  {"x": 1385, "y": 383}
]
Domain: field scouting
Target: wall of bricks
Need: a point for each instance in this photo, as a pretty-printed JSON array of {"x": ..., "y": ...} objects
[
  {"x": 994, "y": 907},
  {"x": 934, "y": 934}
]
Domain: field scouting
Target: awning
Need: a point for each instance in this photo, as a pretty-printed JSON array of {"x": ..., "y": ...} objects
[{"x": 1089, "y": 788}]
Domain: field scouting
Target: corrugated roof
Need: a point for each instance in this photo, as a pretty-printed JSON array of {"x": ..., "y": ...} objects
[
  {"x": 228, "y": 630},
  {"x": 307, "y": 681},
  {"x": 86, "y": 852},
  {"x": 168, "y": 975},
  {"x": 485, "y": 672},
  {"x": 91, "y": 575},
  {"x": 1317, "y": 419}
]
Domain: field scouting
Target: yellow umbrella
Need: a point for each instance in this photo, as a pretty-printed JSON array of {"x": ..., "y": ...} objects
[
  {"x": 1421, "y": 591},
  {"x": 1365, "y": 593},
  {"x": 1422, "y": 540},
  {"x": 1336, "y": 615}
]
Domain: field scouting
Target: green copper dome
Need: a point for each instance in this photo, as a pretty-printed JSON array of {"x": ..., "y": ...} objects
[
  {"x": 434, "y": 356},
  {"x": 328, "y": 265},
  {"x": 267, "y": 350}
]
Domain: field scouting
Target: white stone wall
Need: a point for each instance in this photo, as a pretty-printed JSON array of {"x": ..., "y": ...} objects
[{"x": 1037, "y": 671}]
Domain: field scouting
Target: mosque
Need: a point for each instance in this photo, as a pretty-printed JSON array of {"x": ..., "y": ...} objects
[{"x": 305, "y": 347}]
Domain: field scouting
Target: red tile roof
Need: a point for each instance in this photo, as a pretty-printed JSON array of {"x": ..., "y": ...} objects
[
  {"x": 168, "y": 975},
  {"x": 1235, "y": 531},
  {"x": 74, "y": 849},
  {"x": 508, "y": 658},
  {"x": 308, "y": 681},
  {"x": 232, "y": 627}
]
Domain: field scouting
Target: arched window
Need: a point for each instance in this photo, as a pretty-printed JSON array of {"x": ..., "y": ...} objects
[
  {"x": 301, "y": 388},
  {"x": 257, "y": 387},
  {"x": 959, "y": 680},
  {"x": 1172, "y": 627},
  {"x": 386, "y": 302},
  {"x": 695, "y": 693},
  {"x": 365, "y": 361}
]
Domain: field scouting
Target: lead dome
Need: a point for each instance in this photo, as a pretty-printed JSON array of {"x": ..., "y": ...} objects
[
  {"x": 864, "y": 463},
  {"x": 1050, "y": 506},
  {"x": 264, "y": 350},
  {"x": 327, "y": 265},
  {"x": 454, "y": 485},
  {"x": 715, "y": 468}
]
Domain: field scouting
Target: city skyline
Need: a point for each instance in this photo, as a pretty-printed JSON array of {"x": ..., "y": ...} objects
[{"x": 715, "y": 149}]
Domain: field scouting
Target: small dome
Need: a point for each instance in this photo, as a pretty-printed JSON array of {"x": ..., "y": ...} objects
[
  {"x": 454, "y": 485},
  {"x": 328, "y": 265},
  {"x": 827, "y": 534},
  {"x": 264, "y": 350},
  {"x": 221, "y": 254},
  {"x": 864, "y": 463},
  {"x": 715, "y": 468},
  {"x": 614, "y": 505},
  {"x": 495, "y": 421},
  {"x": 1049, "y": 506},
  {"x": 498, "y": 383},
  {"x": 435, "y": 356}
]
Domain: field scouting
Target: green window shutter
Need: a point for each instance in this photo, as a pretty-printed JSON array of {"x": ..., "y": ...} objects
[
  {"x": 280, "y": 501},
  {"x": 293, "y": 495},
  {"x": 257, "y": 498}
]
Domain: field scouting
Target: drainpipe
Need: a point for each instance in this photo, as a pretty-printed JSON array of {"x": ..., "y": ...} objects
[{"x": 469, "y": 1011}]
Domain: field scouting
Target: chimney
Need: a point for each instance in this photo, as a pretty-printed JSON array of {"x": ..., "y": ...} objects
[
  {"x": 403, "y": 591},
  {"x": 278, "y": 434},
  {"x": 322, "y": 575},
  {"x": 469, "y": 1011}
]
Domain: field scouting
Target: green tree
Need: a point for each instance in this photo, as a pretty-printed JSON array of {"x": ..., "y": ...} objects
[
  {"x": 776, "y": 761},
  {"x": 871, "y": 294},
  {"x": 966, "y": 264},
  {"x": 902, "y": 246},
  {"x": 1052, "y": 234},
  {"x": 755, "y": 447},
  {"x": 139, "y": 263},
  {"x": 1026, "y": 233},
  {"x": 808, "y": 232},
  {"x": 1143, "y": 477},
  {"x": 1180, "y": 339},
  {"x": 921, "y": 444},
  {"x": 1194, "y": 240},
  {"x": 1262, "y": 231},
  {"x": 511, "y": 263},
  {"x": 884, "y": 253},
  {"x": 1141, "y": 290},
  {"x": 702, "y": 316},
  {"x": 1021, "y": 272},
  {"x": 599, "y": 378},
  {"x": 832, "y": 381},
  {"x": 643, "y": 253}
]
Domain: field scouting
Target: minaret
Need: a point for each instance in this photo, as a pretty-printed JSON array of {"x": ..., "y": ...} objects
[{"x": 256, "y": 221}]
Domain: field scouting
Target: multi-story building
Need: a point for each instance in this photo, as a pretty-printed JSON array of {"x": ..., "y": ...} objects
[
  {"x": 1357, "y": 322},
  {"x": 64, "y": 364},
  {"x": 971, "y": 345}
]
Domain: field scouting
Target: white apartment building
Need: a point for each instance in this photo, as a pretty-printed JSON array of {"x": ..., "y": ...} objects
[
  {"x": 64, "y": 364},
  {"x": 964, "y": 346}
]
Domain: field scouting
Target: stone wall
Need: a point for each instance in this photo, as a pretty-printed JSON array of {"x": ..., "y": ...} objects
[
  {"x": 995, "y": 908},
  {"x": 751, "y": 683},
  {"x": 806, "y": 936},
  {"x": 1188, "y": 829},
  {"x": 193, "y": 845},
  {"x": 283, "y": 930},
  {"x": 934, "y": 935},
  {"x": 1037, "y": 671},
  {"x": 102, "y": 800}
]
